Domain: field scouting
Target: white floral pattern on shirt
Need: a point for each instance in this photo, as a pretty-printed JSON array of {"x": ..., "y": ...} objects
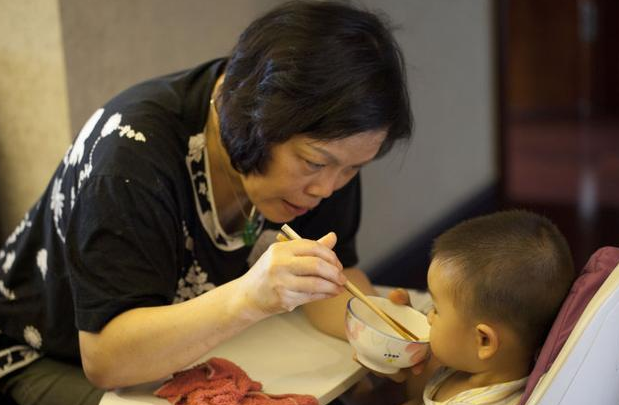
[
  {"x": 188, "y": 238},
  {"x": 111, "y": 124},
  {"x": 74, "y": 157},
  {"x": 196, "y": 147},
  {"x": 77, "y": 151},
  {"x": 25, "y": 223},
  {"x": 193, "y": 284},
  {"x": 32, "y": 337},
  {"x": 194, "y": 280},
  {"x": 8, "y": 294},
  {"x": 57, "y": 199},
  {"x": 42, "y": 262},
  {"x": 8, "y": 261},
  {"x": 16, "y": 357}
]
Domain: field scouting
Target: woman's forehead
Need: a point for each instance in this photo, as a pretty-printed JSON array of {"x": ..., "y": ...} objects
[{"x": 362, "y": 146}]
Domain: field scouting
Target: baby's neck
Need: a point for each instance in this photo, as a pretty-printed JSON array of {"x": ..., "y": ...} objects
[
  {"x": 491, "y": 377},
  {"x": 462, "y": 381}
]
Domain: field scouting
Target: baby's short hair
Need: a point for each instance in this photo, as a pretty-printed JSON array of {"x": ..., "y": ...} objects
[{"x": 514, "y": 267}]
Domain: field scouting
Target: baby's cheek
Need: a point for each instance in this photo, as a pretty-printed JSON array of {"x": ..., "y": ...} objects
[{"x": 433, "y": 342}]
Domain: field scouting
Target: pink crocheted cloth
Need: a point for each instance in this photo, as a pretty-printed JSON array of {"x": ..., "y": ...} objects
[{"x": 221, "y": 382}]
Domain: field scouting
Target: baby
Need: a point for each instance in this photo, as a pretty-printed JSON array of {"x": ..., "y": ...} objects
[{"x": 497, "y": 283}]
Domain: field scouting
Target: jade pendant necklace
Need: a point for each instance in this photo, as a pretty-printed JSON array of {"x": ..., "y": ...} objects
[
  {"x": 250, "y": 229},
  {"x": 250, "y": 226}
]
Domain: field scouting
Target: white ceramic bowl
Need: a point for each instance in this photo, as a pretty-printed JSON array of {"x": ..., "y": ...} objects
[{"x": 378, "y": 346}]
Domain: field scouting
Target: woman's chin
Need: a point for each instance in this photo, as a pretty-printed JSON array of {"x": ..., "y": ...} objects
[
  {"x": 279, "y": 218},
  {"x": 282, "y": 213}
]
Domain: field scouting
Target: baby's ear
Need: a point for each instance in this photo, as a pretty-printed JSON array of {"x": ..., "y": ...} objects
[{"x": 487, "y": 339}]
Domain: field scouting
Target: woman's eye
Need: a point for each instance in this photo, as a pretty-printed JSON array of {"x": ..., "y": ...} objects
[{"x": 314, "y": 166}]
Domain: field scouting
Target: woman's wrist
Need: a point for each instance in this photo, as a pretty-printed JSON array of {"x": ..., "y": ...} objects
[{"x": 242, "y": 303}]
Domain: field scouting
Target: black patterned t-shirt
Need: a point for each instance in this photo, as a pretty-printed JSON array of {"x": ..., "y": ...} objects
[{"x": 127, "y": 221}]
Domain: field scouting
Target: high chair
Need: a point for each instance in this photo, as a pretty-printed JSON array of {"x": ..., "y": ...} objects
[{"x": 579, "y": 362}]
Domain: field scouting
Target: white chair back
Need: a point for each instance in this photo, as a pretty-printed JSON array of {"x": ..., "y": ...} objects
[{"x": 586, "y": 371}]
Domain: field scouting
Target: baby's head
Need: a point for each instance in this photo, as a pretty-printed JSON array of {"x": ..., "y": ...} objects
[{"x": 497, "y": 282}]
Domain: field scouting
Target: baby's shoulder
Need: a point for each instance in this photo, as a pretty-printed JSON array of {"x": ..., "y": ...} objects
[{"x": 447, "y": 383}]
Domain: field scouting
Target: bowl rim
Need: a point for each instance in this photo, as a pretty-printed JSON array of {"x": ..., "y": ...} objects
[{"x": 349, "y": 309}]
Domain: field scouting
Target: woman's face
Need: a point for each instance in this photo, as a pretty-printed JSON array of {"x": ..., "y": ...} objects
[{"x": 302, "y": 171}]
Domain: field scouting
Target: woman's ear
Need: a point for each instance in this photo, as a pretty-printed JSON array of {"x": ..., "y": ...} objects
[{"x": 487, "y": 339}]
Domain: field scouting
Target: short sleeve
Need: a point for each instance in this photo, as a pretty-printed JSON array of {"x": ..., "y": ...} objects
[
  {"x": 122, "y": 247},
  {"x": 339, "y": 213}
]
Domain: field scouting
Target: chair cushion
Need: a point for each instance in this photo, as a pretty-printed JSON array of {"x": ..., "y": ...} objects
[{"x": 593, "y": 275}]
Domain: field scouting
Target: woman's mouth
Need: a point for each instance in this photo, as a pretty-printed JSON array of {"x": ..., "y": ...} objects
[{"x": 295, "y": 209}]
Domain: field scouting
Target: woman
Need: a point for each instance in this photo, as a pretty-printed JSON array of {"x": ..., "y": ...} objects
[{"x": 154, "y": 241}]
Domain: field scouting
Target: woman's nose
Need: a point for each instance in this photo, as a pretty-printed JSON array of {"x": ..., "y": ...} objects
[{"x": 322, "y": 186}]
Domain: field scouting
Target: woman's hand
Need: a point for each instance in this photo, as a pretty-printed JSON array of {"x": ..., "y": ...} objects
[
  {"x": 293, "y": 273},
  {"x": 399, "y": 296}
]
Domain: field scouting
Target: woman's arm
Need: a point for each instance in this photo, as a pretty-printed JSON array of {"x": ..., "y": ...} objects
[
  {"x": 328, "y": 315},
  {"x": 146, "y": 344}
]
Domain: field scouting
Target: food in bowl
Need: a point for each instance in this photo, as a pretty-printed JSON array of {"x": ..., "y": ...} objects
[{"x": 377, "y": 345}]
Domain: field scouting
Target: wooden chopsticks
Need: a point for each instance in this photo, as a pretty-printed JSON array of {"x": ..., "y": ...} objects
[{"x": 290, "y": 234}]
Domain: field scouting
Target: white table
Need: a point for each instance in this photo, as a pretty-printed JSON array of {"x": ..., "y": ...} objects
[{"x": 285, "y": 353}]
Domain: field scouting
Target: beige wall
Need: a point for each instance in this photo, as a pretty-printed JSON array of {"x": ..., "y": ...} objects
[
  {"x": 448, "y": 47},
  {"x": 34, "y": 115},
  {"x": 113, "y": 44}
]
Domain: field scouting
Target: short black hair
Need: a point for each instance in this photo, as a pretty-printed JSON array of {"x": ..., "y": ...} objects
[
  {"x": 513, "y": 267},
  {"x": 324, "y": 69}
]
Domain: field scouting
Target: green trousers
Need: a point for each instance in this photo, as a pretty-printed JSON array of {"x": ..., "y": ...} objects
[{"x": 49, "y": 382}]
